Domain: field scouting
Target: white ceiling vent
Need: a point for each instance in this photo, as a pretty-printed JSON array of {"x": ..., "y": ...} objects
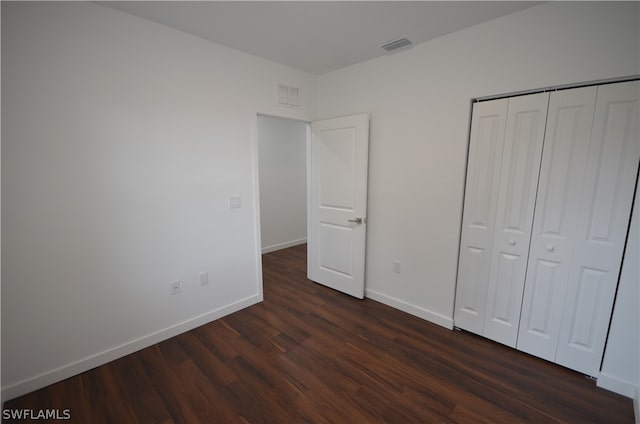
[{"x": 396, "y": 44}]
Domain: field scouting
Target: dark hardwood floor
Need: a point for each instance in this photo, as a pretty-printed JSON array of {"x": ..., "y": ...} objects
[{"x": 308, "y": 354}]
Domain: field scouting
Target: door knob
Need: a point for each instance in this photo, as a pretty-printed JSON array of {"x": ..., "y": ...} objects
[
  {"x": 550, "y": 248},
  {"x": 357, "y": 220},
  {"x": 512, "y": 242}
]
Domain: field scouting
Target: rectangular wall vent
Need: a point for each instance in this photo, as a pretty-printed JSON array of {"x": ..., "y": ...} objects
[
  {"x": 396, "y": 44},
  {"x": 288, "y": 96},
  {"x": 283, "y": 94}
]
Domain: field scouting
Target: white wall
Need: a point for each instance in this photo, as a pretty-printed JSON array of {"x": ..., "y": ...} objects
[
  {"x": 621, "y": 365},
  {"x": 282, "y": 160},
  {"x": 419, "y": 101},
  {"x": 122, "y": 141}
]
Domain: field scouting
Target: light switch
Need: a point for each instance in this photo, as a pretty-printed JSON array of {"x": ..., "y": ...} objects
[
  {"x": 396, "y": 267},
  {"x": 235, "y": 202}
]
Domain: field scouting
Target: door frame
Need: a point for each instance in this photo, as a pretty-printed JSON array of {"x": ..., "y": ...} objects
[{"x": 278, "y": 114}]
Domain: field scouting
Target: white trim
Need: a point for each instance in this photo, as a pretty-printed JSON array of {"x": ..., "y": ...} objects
[
  {"x": 558, "y": 88},
  {"x": 617, "y": 385},
  {"x": 257, "y": 235},
  {"x": 77, "y": 367},
  {"x": 309, "y": 198},
  {"x": 410, "y": 308},
  {"x": 279, "y": 246},
  {"x": 636, "y": 405}
]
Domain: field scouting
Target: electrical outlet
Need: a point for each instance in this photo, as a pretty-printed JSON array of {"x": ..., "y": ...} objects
[
  {"x": 204, "y": 278},
  {"x": 235, "y": 202},
  {"x": 175, "y": 287},
  {"x": 396, "y": 267}
]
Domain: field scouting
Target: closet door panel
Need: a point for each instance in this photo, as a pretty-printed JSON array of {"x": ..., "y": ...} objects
[
  {"x": 485, "y": 154},
  {"x": 526, "y": 120},
  {"x": 558, "y": 203},
  {"x": 602, "y": 226}
]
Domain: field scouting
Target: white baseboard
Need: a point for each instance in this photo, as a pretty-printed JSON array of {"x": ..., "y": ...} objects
[
  {"x": 75, "y": 368},
  {"x": 617, "y": 385},
  {"x": 409, "y": 308},
  {"x": 284, "y": 245}
]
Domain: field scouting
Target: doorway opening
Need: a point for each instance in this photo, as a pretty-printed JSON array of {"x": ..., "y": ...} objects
[{"x": 282, "y": 165}]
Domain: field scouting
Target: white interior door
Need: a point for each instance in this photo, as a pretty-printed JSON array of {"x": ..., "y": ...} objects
[
  {"x": 603, "y": 221},
  {"x": 561, "y": 179},
  {"x": 521, "y": 157},
  {"x": 338, "y": 167},
  {"x": 485, "y": 155}
]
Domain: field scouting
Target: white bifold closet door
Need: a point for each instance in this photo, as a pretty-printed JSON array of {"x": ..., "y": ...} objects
[
  {"x": 554, "y": 227},
  {"x": 485, "y": 155},
  {"x": 526, "y": 119},
  {"x": 504, "y": 160},
  {"x": 550, "y": 186},
  {"x": 603, "y": 223},
  {"x": 582, "y": 218}
]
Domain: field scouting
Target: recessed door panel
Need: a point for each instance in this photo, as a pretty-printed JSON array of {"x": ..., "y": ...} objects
[
  {"x": 545, "y": 278},
  {"x": 482, "y": 171},
  {"x": 337, "y": 150},
  {"x": 336, "y": 249},
  {"x": 537, "y": 321},
  {"x": 501, "y": 311},
  {"x": 472, "y": 298},
  {"x": 569, "y": 123},
  {"x": 609, "y": 177},
  {"x": 528, "y": 127},
  {"x": 584, "y": 314}
]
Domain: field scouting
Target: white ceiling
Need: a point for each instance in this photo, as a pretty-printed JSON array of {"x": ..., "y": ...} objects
[{"x": 318, "y": 36}]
